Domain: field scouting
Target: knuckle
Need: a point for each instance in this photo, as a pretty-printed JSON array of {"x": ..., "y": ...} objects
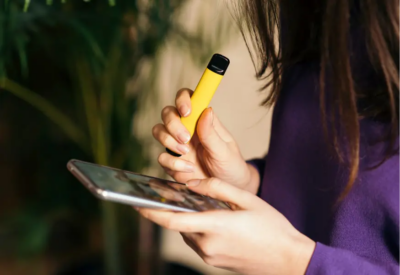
[
  {"x": 166, "y": 110},
  {"x": 156, "y": 130},
  {"x": 161, "y": 159},
  {"x": 213, "y": 184},
  {"x": 169, "y": 224},
  {"x": 209, "y": 260},
  {"x": 183, "y": 97},
  {"x": 163, "y": 138},
  {"x": 175, "y": 163},
  {"x": 168, "y": 139},
  {"x": 183, "y": 91},
  {"x": 207, "y": 248},
  {"x": 169, "y": 124}
]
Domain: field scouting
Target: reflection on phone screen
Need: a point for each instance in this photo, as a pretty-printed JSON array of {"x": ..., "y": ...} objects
[{"x": 154, "y": 189}]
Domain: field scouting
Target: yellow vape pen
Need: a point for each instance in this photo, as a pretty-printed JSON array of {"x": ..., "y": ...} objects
[{"x": 204, "y": 92}]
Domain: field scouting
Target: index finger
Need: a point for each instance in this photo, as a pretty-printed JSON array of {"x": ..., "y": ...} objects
[
  {"x": 202, "y": 222},
  {"x": 220, "y": 190},
  {"x": 183, "y": 103}
]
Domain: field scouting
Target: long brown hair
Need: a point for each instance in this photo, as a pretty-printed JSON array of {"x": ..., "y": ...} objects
[{"x": 320, "y": 30}]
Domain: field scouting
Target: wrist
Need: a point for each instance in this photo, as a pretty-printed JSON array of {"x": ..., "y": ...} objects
[
  {"x": 253, "y": 179},
  {"x": 299, "y": 254}
]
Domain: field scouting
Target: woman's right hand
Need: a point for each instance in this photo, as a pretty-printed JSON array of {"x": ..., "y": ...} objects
[{"x": 211, "y": 152}]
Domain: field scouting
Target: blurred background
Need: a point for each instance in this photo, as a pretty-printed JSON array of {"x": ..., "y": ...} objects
[{"x": 87, "y": 80}]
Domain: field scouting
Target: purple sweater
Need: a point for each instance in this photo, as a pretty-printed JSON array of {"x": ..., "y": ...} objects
[{"x": 302, "y": 180}]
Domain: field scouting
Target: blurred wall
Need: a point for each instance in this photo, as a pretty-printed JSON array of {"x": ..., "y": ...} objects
[{"x": 236, "y": 103}]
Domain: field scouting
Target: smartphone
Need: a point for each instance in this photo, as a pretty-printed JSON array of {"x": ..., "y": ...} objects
[{"x": 121, "y": 186}]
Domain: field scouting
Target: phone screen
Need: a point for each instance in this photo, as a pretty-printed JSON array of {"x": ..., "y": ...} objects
[{"x": 154, "y": 189}]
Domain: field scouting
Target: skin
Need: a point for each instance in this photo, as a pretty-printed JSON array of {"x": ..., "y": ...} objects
[
  {"x": 254, "y": 238},
  {"x": 212, "y": 151}
]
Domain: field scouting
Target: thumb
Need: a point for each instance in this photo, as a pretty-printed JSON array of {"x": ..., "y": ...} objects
[
  {"x": 208, "y": 136},
  {"x": 220, "y": 190}
]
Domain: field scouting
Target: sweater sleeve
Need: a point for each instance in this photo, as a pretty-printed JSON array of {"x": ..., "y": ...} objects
[
  {"x": 334, "y": 261},
  {"x": 259, "y": 164}
]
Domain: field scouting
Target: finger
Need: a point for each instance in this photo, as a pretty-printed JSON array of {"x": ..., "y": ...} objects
[
  {"x": 220, "y": 190},
  {"x": 173, "y": 124},
  {"x": 183, "y": 103},
  {"x": 203, "y": 222},
  {"x": 161, "y": 134},
  {"x": 221, "y": 130},
  {"x": 208, "y": 136},
  {"x": 189, "y": 240},
  {"x": 169, "y": 172},
  {"x": 191, "y": 244},
  {"x": 175, "y": 164},
  {"x": 193, "y": 237}
]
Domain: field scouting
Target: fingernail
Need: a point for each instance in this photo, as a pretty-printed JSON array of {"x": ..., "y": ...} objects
[
  {"x": 184, "y": 110},
  {"x": 184, "y": 137},
  {"x": 184, "y": 149},
  {"x": 189, "y": 167},
  {"x": 193, "y": 182}
]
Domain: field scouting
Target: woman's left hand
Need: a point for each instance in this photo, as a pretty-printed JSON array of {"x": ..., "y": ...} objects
[{"x": 253, "y": 239}]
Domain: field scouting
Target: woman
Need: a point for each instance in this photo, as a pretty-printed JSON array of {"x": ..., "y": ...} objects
[{"x": 325, "y": 200}]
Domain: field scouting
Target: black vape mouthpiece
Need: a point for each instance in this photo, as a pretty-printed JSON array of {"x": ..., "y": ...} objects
[{"x": 218, "y": 64}]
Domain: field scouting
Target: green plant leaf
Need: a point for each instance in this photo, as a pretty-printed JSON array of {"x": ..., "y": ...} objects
[
  {"x": 90, "y": 102},
  {"x": 26, "y": 5},
  {"x": 47, "y": 108},
  {"x": 21, "y": 43}
]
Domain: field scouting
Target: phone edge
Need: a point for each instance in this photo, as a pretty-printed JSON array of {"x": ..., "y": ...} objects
[{"x": 116, "y": 197}]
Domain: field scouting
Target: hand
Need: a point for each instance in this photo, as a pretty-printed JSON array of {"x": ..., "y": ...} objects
[
  {"x": 165, "y": 192},
  {"x": 212, "y": 152},
  {"x": 253, "y": 239}
]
